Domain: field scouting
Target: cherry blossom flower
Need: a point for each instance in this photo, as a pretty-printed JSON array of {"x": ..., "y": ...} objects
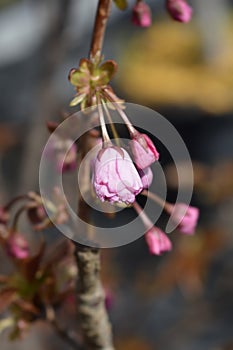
[{"x": 115, "y": 176}]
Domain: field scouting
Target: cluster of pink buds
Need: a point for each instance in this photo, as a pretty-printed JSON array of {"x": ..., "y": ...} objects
[
  {"x": 179, "y": 10},
  {"x": 120, "y": 176},
  {"x": 122, "y": 172},
  {"x": 11, "y": 239}
]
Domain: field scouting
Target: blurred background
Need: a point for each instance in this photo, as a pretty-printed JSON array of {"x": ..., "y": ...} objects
[{"x": 183, "y": 300}]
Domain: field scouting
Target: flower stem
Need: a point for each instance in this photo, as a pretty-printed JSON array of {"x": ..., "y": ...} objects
[
  {"x": 105, "y": 135},
  {"x": 157, "y": 200},
  {"x": 146, "y": 221},
  {"x": 133, "y": 132},
  {"x": 102, "y": 15},
  {"x": 114, "y": 131}
]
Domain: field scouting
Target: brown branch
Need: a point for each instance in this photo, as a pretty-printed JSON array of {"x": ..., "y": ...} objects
[
  {"x": 96, "y": 328},
  {"x": 95, "y": 324},
  {"x": 101, "y": 19}
]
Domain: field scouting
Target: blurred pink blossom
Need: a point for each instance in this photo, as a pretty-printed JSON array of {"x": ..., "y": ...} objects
[
  {"x": 186, "y": 216},
  {"x": 141, "y": 15},
  {"x": 179, "y": 10},
  {"x": 63, "y": 152},
  {"x": 17, "y": 246}
]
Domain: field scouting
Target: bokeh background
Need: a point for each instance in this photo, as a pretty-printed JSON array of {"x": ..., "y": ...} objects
[{"x": 183, "y": 300}]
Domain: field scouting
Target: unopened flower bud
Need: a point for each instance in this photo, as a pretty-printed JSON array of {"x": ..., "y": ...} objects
[
  {"x": 157, "y": 241},
  {"x": 185, "y": 216},
  {"x": 141, "y": 15},
  {"x": 179, "y": 10},
  {"x": 143, "y": 150}
]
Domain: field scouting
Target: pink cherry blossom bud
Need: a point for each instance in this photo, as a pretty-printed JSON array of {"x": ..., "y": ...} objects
[
  {"x": 141, "y": 15},
  {"x": 146, "y": 176},
  {"x": 17, "y": 246},
  {"x": 115, "y": 176},
  {"x": 179, "y": 10},
  {"x": 143, "y": 150},
  {"x": 157, "y": 241},
  {"x": 186, "y": 217}
]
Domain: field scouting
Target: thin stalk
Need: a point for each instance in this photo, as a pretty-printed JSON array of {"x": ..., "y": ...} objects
[
  {"x": 146, "y": 221},
  {"x": 104, "y": 130},
  {"x": 114, "y": 131},
  {"x": 133, "y": 132},
  {"x": 17, "y": 217},
  {"x": 157, "y": 200},
  {"x": 8, "y": 206}
]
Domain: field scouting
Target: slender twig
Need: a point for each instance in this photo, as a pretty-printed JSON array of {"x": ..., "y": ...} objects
[
  {"x": 20, "y": 211},
  {"x": 102, "y": 15},
  {"x": 64, "y": 334},
  {"x": 15, "y": 200}
]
